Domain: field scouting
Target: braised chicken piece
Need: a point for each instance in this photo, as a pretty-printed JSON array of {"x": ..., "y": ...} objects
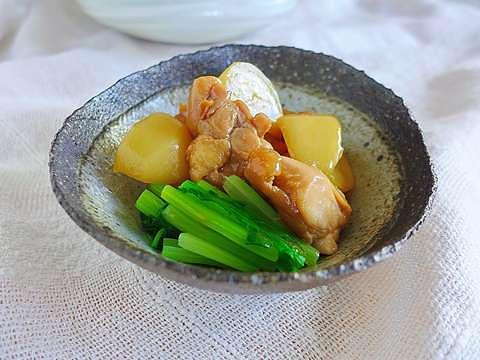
[
  {"x": 229, "y": 140},
  {"x": 307, "y": 201},
  {"x": 221, "y": 125},
  {"x": 206, "y": 156}
]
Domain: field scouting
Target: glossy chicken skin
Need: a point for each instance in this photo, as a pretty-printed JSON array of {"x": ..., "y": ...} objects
[
  {"x": 229, "y": 140},
  {"x": 307, "y": 201}
]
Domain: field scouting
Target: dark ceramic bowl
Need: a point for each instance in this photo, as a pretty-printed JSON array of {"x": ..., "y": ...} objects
[{"x": 389, "y": 158}]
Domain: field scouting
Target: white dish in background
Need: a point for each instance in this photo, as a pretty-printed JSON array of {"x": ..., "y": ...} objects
[{"x": 186, "y": 21}]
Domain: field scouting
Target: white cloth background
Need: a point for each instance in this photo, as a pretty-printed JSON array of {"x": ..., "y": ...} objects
[{"x": 62, "y": 295}]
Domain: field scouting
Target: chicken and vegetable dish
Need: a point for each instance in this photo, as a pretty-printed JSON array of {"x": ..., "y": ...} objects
[{"x": 235, "y": 181}]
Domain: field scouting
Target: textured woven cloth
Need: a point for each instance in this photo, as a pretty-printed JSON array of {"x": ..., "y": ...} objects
[{"x": 63, "y": 295}]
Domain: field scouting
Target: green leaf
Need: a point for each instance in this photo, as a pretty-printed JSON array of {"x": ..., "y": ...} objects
[
  {"x": 188, "y": 224},
  {"x": 207, "y": 249},
  {"x": 156, "y": 188},
  {"x": 203, "y": 212},
  {"x": 150, "y": 204},
  {"x": 170, "y": 242},
  {"x": 157, "y": 240},
  {"x": 240, "y": 191},
  {"x": 188, "y": 257},
  {"x": 257, "y": 231}
]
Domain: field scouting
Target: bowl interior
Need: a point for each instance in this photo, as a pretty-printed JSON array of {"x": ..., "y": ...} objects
[
  {"x": 109, "y": 198},
  {"x": 394, "y": 179}
]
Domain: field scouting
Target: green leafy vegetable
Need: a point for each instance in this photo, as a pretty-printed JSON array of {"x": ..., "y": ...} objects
[
  {"x": 207, "y": 249},
  {"x": 156, "y": 242},
  {"x": 202, "y": 212},
  {"x": 150, "y": 204},
  {"x": 179, "y": 254},
  {"x": 238, "y": 229},
  {"x": 188, "y": 224},
  {"x": 240, "y": 191},
  {"x": 205, "y": 185},
  {"x": 150, "y": 207},
  {"x": 156, "y": 188},
  {"x": 170, "y": 242},
  {"x": 260, "y": 231},
  {"x": 237, "y": 223},
  {"x": 150, "y": 224}
]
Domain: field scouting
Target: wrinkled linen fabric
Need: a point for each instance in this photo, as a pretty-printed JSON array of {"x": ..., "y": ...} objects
[{"x": 63, "y": 295}]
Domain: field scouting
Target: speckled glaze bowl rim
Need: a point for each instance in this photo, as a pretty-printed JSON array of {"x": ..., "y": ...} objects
[{"x": 216, "y": 279}]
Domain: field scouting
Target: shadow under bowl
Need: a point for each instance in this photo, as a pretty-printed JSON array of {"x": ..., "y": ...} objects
[{"x": 394, "y": 177}]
